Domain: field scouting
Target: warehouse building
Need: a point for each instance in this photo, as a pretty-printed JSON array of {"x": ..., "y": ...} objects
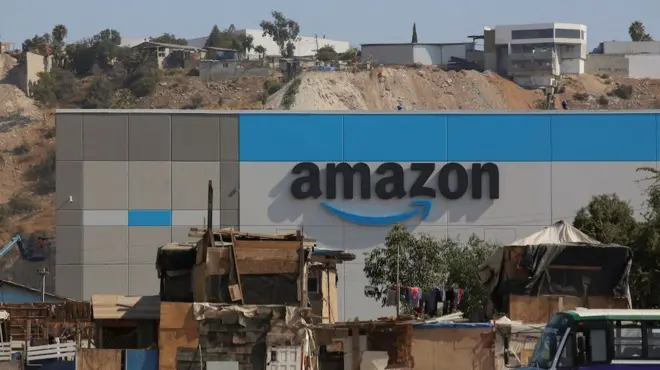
[{"x": 138, "y": 180}]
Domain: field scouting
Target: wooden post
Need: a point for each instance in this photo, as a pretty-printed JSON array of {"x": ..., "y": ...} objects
[
  {"x": 356, "y": 355},
  {"x": 303, "y": 276}
]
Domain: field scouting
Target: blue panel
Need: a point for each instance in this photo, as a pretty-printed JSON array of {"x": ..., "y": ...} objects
[
  {"x": 141, "y": 359},
  {"x": 604, "y": 137},
  {"x": 149, "y": 217},
  {"x": 498, "y": 137},
  {"x": 395, "y": 137},
  {"x": 290, "y": 137}
]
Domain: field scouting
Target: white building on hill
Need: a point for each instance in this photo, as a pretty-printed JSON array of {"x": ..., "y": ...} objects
[{"x": 305, "y": 46}]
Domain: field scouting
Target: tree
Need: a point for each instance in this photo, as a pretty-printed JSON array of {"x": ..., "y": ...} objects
[
  {"x": 261, "y": 51},
  {"x": 283, "y": 31},
  {"x": 608, "y": 219},
  {"x": 414, "y": 35},
  {"x": 326, "y": 53},
  {"x": 215, "y": 37},
  {"x": 425, "y": 262},
  {"x": 168, "y": 38},
  {"x": 349, "y": 55},
  {"x": 246, "y": 43},
  {"x": 637, "y": 32},
  {"x": 59, "y": 34},
  {"x": 101, "y": 50}
]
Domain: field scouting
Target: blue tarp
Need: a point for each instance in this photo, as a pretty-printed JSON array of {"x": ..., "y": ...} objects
[
  {"x": 141, "y": 359},
  {"x": 454, "y": 325}
]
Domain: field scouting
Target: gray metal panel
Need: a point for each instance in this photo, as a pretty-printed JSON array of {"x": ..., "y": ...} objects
[
  {"x": 229, "y": 218},
  {"x": 189, "y": 184},
  {"x": 69, "y": 180},
  {"x": 143, "y": 280},
  {"x": 105, "y": 217},
  {"x": 69, "y": 249},
  {"x": 69, "y": 281},
  {"x": 105, "y": 245},
  {"x": 535, "y": 193},
  {"x": 229, "y": 138},
  {"x": 196, "y": 138},
  {"x": 69, "y": 218},
  {"x": 229, "y": 178},
  {"x": 143, "y": 243},
  {"x": 149, "y": 137},
  {"x": 180, "y": 234},
  {"x": 105, "y": 137},
  {"x": 105, "y": 279},
  {"x": 69, "y": 135},
  {"x": 149, "y": 185},
  {"x": 569, "y": 194},
  {"x": 106, "y": 185},
  {"x": 222, "y": 365}
]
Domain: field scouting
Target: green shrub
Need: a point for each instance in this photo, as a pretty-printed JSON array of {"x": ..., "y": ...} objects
[
  {"x": 290, "y": 94},
  {"x": 100, "y": 94},
  {"x": 143, "y": 86},
  {"x": 21, "y": 149},
  {"x": 623, "y": 91},
  {"x": 272, "y": 86},
  {"x": 581, "y": 96},
  {"x": 602, "y": 100},
  {"x": 43, "y": 174}
]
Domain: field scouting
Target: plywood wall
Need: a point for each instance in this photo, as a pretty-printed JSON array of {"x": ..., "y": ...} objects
[
  {"x": 98, "y": 359},
  {"x": 178, "y": 329},
  {"x": 453, "y": 348},
  {"x": 538, "y": 309}
]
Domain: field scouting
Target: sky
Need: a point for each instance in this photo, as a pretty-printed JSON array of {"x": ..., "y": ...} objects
[{"x": 360, "y": 22}]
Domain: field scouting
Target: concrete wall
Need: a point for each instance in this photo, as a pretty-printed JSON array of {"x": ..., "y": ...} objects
[
  {"x": 644, "y": 66},
  {"x": 388, "y": 54},
  {"x": 636, "y": 66},
  {"x": 424, "y": 54},
  {"x": 631, "y": 47},
  {"x": 139, "y": 180},
  {"x": 34, "y": 64},
  {"x": 613, "y": 65}
]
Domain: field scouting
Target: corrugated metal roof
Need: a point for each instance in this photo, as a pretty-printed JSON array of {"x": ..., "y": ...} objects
[{"x": 106, "y": 306}]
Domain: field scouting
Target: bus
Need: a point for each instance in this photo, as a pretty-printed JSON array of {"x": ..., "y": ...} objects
[{"x": 596, "y": 339}]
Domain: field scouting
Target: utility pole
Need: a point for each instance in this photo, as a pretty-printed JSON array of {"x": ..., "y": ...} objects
[{"x": 43, "y": 272}]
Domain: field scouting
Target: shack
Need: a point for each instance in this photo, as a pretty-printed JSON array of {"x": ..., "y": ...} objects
[
  {"x": 227, "y": 266},
  {"x": 558, "y": 268},
  {"x": 251, "y": 336}
]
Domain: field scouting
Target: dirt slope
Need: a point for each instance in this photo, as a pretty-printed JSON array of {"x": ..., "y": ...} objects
[
  {"x": 383, "y": 88},
  {"x": 645, "y": 92}
]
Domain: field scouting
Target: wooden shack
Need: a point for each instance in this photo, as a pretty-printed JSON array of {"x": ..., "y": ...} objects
[{"x": 556, "y": 269}]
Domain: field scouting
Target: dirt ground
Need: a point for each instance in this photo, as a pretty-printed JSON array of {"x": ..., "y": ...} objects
[{"x": 383, "y": 88}]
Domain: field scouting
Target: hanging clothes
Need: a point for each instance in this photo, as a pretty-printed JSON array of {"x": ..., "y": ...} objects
[
  {"x": 459, "y": 298},
  {"x": 450, "y": 299},
  {"x": 415, "y": 296},
  {"x": 430, "y": 302}
]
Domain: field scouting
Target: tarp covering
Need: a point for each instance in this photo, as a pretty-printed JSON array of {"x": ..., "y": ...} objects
[
  {"x": 560, "y": 233},
  {"x": 559, "y": 260}
]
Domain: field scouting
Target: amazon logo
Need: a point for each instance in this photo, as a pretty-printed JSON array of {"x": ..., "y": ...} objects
[{"x": 388, "y": 182}]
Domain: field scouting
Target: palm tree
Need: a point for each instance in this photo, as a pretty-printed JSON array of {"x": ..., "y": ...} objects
[
  {"x": 59, "y": 33},
  {"x": 637, "y": 32}
]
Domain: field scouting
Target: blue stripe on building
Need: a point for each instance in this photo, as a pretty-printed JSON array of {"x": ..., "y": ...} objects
[
  {"x": 532, "y": 137},
  {"x": 149, "y": 217}
]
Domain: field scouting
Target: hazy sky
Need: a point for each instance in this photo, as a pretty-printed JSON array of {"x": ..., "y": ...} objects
[{"x": 359, "y": 21}]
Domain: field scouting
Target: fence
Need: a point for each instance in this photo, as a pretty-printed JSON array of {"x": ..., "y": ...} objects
[{"x": 51, "y": 351}]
